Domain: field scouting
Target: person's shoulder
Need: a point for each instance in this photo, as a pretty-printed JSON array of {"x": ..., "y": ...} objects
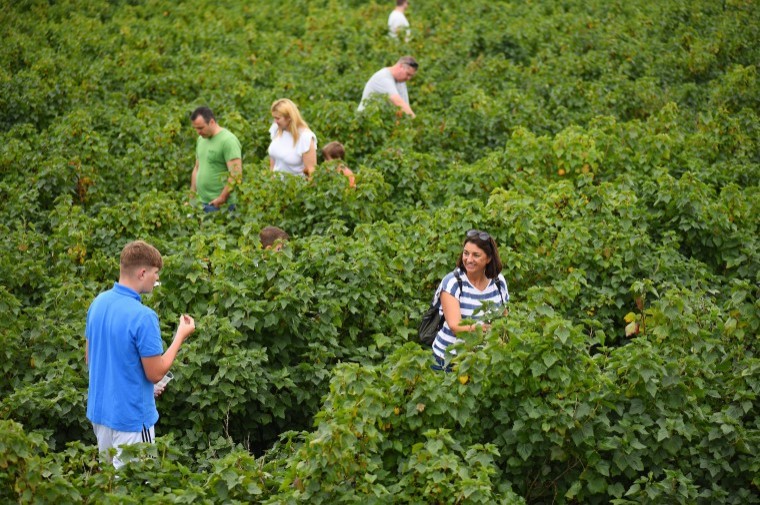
[
  {"x": 383, "y": 73},
  {"x": 305, "y": 138},
  {"x": 453, "y": 276},
  {"x": 227, "y": 135},
  {"x": 306, "y": 132},
  {"x": 501, "y": 287},
  {"x": 100, "y": 297},
  {"x": 146, "y": 315}
]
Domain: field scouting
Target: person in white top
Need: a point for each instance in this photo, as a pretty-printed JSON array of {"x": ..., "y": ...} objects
[
  {"x": 294, "y": 146},
  {"x": 391, "y": 81},
  {"x": 397, "y": 20}
]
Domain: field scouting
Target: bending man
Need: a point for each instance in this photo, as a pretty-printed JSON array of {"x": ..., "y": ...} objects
[{"x": 391, "y": 81}]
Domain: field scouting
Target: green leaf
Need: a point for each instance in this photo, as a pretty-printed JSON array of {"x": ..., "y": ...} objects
[
  {"x": 525, "y": 450},
  {"x": 573, "y": 491},
  {"x": 634, "y": 489},
  {"x": 616, "y": 490},
  {"x": 597, "y": 484},
  {"x": 562, "y": 333},
  {"x": 549, "y": 360},
  {"x": 603, "y": 467}
]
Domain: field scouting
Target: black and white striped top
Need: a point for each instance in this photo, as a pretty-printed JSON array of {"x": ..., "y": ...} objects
[{"x": 470, "y": 299}]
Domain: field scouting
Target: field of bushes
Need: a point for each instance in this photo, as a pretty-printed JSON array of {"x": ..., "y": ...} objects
[{"x": 612, "y": 149}]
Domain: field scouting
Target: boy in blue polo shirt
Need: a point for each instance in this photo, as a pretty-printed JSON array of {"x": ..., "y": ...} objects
[{"x": 124, "y": 353}]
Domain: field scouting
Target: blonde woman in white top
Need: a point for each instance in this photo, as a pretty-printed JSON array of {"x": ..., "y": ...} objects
[{"x": 294, "y": 146}]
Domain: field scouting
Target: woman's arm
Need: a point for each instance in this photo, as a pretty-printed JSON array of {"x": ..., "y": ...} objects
[
  {"x": 310, "y": 159},
  {"x": 453, "y": 315}
]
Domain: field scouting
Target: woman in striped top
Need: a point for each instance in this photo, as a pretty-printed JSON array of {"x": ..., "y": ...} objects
[{"x": 476, "y": 279}]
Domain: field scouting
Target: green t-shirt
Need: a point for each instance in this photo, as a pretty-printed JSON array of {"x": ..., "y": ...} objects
[{"x": 212, "y": 155}]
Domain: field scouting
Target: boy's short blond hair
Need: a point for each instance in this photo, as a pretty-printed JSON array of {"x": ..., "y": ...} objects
[{"x": 140, "y": 254}]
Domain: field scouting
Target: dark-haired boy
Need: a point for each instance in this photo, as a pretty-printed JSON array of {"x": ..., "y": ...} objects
[{"x": 272, "y": 237}]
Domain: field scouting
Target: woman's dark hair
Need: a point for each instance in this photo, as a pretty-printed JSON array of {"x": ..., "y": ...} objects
[{"x": 486, "y": 242}]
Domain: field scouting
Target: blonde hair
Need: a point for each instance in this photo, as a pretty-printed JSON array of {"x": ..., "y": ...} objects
[{"x": 288, "y": 110}]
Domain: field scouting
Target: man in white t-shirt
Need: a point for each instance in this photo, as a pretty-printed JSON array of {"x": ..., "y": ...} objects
[
  {"x": 391, "y": 81},
  {"x": 397, "y": 20}
]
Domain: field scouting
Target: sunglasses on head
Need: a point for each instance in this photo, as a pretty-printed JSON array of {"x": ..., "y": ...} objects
[{"x": 480, "y": 234}]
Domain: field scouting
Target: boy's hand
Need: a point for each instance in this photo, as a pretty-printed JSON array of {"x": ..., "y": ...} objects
[
  {"x": 158, "y": 389},
  {"x": 186, "y": 326}
]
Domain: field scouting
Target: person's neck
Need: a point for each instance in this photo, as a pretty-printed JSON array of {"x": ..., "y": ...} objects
[
  {"x": 478, "y": 279},
  {"x": 130, "y": 283}
]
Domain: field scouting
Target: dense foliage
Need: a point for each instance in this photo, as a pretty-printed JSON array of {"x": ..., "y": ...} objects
[{"x": 611, "y": 148}]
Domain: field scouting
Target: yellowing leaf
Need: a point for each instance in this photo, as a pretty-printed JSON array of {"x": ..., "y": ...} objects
[{"x": 631, "y": 329}]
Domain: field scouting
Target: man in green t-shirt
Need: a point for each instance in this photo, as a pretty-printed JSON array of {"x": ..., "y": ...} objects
[{"x": 218, "y": 162}]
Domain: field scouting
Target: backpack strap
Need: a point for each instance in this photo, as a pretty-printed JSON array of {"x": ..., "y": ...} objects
[
  {"x": 461, "y": 288},
  {"x": 498, "y": 286},
  {"x": 459, "y": 281}
]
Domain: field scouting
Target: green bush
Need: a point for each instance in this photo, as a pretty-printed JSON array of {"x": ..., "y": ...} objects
[{"x": 610, "y": 149}]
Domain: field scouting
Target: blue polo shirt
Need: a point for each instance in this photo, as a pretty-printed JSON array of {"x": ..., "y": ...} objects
[{"x": 120, "y": 331}]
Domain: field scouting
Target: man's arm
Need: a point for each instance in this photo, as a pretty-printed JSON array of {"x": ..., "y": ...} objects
[
  {"x": 194, "y": 177},
  {"x": 156, "y": 367},
  {"x": 400, "y": 102},
  {"x": 86, "y": 352},
  {"x": 236, "y": 176}
]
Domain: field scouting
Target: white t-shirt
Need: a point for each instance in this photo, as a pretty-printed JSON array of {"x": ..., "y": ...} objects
[
  {"x": 288, "y": 157},
  {"x": 382, "y": 82},
  {"x": 396, "y": 21}
]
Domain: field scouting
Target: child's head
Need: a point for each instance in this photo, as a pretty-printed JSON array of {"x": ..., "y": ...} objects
[
  {"x": 333, "y": 151},
  {"x": 273, "y": 237},
  {"x": 139, "y": 266},
  {"x": 140, "y": 254}
]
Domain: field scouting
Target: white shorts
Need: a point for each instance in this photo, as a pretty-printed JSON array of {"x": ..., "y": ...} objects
[{"x": 108, "y": 438}]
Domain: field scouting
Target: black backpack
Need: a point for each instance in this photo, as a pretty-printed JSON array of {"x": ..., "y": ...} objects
[{"x": 432, "y": 319}]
